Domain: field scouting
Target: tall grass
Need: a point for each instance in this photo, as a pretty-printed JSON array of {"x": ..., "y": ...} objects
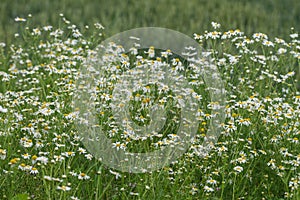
[
  {"x": 257, "y": 155},
  {"x": 274, "y": 17}
]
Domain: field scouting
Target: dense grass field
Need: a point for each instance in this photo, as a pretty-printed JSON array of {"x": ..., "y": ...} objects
[{"x": 254, "y": 48}]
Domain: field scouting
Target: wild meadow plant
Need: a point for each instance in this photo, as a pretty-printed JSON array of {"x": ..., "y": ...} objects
[{"x": 257, "y": 155}]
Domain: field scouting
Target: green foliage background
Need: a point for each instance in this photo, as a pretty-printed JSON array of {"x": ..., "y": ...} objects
[{"x": 274, "y": 17}]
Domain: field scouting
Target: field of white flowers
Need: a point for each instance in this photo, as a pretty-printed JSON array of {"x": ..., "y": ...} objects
[{"x": 257, "y": 155}]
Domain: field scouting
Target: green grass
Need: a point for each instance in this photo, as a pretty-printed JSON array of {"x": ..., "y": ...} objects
[
  {"x": 273, "y": 17},
  {"x": 256, "y": 155}
]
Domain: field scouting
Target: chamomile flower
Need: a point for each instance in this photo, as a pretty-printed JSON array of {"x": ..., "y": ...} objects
[
  {"x": 281, "y": 51},
  {"x": 211, "y": 182},
  {"x": 34, "y": 171},
  {"x": 22, "y": 166},
  {"x": 34, "y": 159},
  {"x": 208, "y": 189},
  {"x": 48, "y": 178},
  {"x": 117, "y": 145},
  {"x": 83, "y": 176},
  {"x": 2, "y": 154},
  {"x": 64, "y": 188},
  {"x": 215, "y": 25},
  {"x": 294, "y": 35},
  {"x": 20, "y": 19},
  {"x": 238, "y": 169},
  {"x": 43, "y": 159}
]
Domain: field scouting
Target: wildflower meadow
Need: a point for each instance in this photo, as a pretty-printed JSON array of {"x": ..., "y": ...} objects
[{"x": 43, "y": 153}]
